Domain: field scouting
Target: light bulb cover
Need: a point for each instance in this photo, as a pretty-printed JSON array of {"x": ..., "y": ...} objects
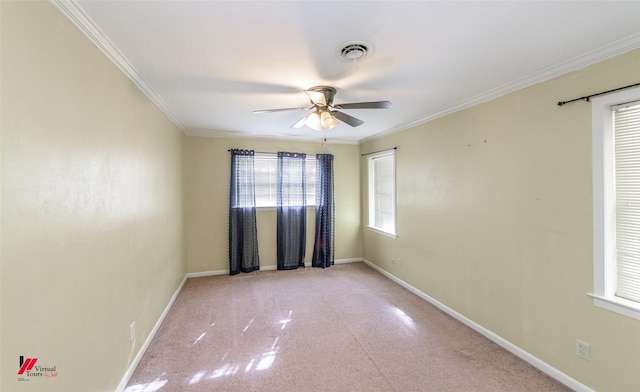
[
  {"x": 326, "y": 119},
  {"x": 313, "y": 121}
]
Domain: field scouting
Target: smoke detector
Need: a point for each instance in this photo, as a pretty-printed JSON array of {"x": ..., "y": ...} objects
[{"x": 353, "y": 51}]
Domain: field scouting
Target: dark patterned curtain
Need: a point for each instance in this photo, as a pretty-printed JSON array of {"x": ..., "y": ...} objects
[
  {"x": 243, "y": 235},
  {"x": 291, "y": 210},
  {"x": 325, "y": 208}
]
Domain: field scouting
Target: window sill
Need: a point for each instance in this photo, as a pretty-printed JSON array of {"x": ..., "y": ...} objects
[
  {"x": 380, "y": 231},
  {"x": 618, "y": 305}
]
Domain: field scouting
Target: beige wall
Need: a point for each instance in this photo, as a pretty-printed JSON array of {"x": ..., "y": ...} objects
[
  {"x": 494, "y": 220},
  {"x": 91, "y": 206},
  {"x": 206, "y": 167}
]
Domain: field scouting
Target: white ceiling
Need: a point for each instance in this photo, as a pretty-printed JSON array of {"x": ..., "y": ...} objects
[{"x": 209, "y": 64}]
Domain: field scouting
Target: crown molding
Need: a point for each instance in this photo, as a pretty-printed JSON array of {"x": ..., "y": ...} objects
[
  {"x": 76, "y": 15},
  {"x": 616, "y": 48}
]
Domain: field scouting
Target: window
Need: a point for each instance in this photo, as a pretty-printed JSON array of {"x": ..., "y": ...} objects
[
  {"x": 382, "y": 192},
  {"x": 616, "y": 202},
  {"x": 265, "y": 167}
]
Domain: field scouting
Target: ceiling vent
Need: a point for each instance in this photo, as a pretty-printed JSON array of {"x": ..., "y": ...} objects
[{"x": 354, "y": 51}]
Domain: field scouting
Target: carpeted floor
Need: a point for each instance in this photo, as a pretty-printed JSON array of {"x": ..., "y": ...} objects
[{"x": 345, "y": 328}]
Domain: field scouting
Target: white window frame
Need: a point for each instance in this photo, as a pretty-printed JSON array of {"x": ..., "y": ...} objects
[
  {"x": 604, "y": 261},
  {"x": 373, "y": 225},
  {"x": 272, "y": 159}
]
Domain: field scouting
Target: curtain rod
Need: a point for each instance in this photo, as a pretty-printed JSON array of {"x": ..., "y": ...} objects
[
  {"x": 587, "y": 97},
  {"x": 257, "y": 152},
  {"x": 264, "y": 152},
  {"x": 368, "y": 153},
  {"x": 375, "y": 152}
]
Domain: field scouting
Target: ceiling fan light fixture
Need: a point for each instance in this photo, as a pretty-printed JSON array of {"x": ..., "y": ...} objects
[
  {"x": 323, "y": 115},
  {"x": 353, "y": 51}
]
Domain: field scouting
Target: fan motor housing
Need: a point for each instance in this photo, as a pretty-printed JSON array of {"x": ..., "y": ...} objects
[{"x": 328, "y": 92}]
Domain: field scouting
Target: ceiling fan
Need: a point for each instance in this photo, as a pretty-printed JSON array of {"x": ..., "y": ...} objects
[{"x": 324, "y": 114}]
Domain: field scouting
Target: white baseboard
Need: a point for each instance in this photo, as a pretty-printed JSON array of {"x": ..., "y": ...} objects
[
  {"x": 206, "y": 273},
  {"x": 147, "y": 342},
  {"x": 347, "y": 261},
  {"x": 512, "y": 348},
  {"x": 262, "y": 268}
]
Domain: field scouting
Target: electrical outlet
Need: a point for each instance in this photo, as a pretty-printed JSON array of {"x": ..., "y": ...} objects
[
  {"x": 400, "y": 262},
  {"x": 583, "y": 350},
  {"x": 132, "y": 331}
]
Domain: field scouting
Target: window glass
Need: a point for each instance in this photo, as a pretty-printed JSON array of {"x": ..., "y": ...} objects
[
  {"x": 616, "y": 202},
  {"x": 382, "y": 206},
  {"x": 626, "y": 125},
  {"x": 266, "y": 166}
]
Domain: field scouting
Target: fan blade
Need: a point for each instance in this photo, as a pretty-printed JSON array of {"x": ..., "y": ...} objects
[
  {"x": 345, "y": 118},
  {"x": 316, "y": 97},
  {"x": 364, "y": 105},
  {"x": 300, "y": 122},
  {"x": 279, "y": 110}
]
